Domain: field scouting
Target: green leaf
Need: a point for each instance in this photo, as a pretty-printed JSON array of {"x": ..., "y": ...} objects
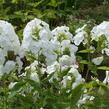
[
  {"x": 86, "y": 51},
  {"x": 84, "y": 62},
  {"x": 76, "y": 94},
  {"x": 103, "y": 68},
  {"x": 101, "y": 44},
  {"x": 101, "y": 91},
  {"x": 35, "y": 4},
  {"x": 101, "y": 102},
  {"x": 18, "y": 86},
  {"x": 54, "y": 3}
]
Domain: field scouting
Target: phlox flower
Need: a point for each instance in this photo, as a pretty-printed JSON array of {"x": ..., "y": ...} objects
[
  {"x": 98, "y": 60},
  {"x": 80, "y": 36},
  {"x": 62, "y": 33}
]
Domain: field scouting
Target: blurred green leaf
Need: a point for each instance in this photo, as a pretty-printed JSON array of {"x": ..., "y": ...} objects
[
  {"x": 85, "y": 51},
  {"x": 103, "y": 68},
  {"x": 75, "y": 95}
]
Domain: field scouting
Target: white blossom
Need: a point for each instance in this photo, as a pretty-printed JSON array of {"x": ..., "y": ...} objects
[
  {"x": 101, "y": 29},
  {"x": 98, "y": 60},
  {"x": 53, "y": 68},
  {"x": 81, "y": 29},
  {"x": 62, "y": 33},
  {"x": 65, "y": 60},
  {"x": 37, "y": 40},
  {"x": 106, "y": 80},
  {"x": 8, "y": 38},
  {"x": 12, "y": 84},
  {"x": 65, "y": 80},
  {"x": 35, "y": 31},
  {"x": 106, "y": 50},
  {"x": 84, "y": 99},
  {"x": 77, "y": 75},
  {"x": 33, "y": 71},
  {"x": 80, "y": 36},
  {"x": 8, "y": 67},
  {"x": 66, "y": 45},
  {"x": 34, "y": 76}
]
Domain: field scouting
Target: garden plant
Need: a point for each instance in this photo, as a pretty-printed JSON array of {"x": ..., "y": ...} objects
[{"x": 49, "y": 59}]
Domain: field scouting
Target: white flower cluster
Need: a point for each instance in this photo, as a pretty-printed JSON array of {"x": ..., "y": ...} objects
[
  {"x": 54, "y": 53},
  {"x": 72, "y": 74},
  {"x": 9, "y": 42},
  {"x": 84, "y": 98},
  {"x": 56, "y": 47},
  {"x": 100, "y": 30},
  {"x": 55, "y": 50},
  {"x": 37, "y": 40}
]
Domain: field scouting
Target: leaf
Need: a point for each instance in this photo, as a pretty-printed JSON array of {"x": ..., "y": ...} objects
[
  {"x": 101, "y": 43},
  {"x": 18, "y": 86},
  {"x": 76, "y": 94},
  {"x": 34, "y": 84},
  {"x": 101, "y": 102},
  {"x": 36, "y": 4},
  {"x": 54, "y": 3},
  {"x": 103, "y": 68},
  {"x": 84, "y": 62},
  {"x": 49, "y": 13},
  {"x": 86, "y": 51}
]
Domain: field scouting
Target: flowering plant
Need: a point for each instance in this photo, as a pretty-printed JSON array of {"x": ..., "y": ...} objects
[{"x": 52, "y": 69}]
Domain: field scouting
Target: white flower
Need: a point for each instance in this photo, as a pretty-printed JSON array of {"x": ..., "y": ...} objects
[
  {"x": 81, "y": 29},
  {"x": 98, "y": 60},
  {"x": 101, "y": 29},
  {"x": 66, "y": 45},
  {"x": 106, "y": 50},
  {"x": 8, "y": 67},
  {"x": 38, "y": 40},
  {"x": 33, "y": 71},
  {"x": 53, "y": 68},
  {"x": 12, "y": 84},
  {"x": 92, "y": 98},
  {"x": 65, "y": 60},
  {"x": 8, "y": 42},
  {"x": 62, "y": 33},
  {"x": 65, "y": 80},
  {"x": 84, "y": 99},
  {"x": 36, "y": 28},
  {"x": 92, "y": 48},
  {"x": 35, "y": 31},
  {"x": 48, "y": 50},
  {"x": 74, "y": 72},
  {"x": 34, "y": 76},
  {"x": 106, "y": 80},
  {"x": 8, "y": 38},
  {"x": 78, "y": 77},
  {"x": 79, "y": 37},
  {"x": 33, "y": 66},
  {"x": 78, "y": 80},
  {"x": 73, "y": 49}
]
